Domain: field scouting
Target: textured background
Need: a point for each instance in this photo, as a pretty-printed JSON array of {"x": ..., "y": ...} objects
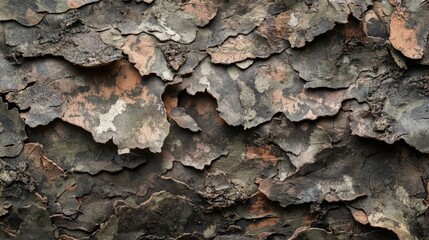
[{"x": 214, "y": 119}]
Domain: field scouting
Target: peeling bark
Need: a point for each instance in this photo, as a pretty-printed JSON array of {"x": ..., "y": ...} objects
[{"x": 212, "y": 119}]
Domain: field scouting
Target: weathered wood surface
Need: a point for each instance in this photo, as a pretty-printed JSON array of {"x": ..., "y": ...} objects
[{"x": 214, "y": 119}]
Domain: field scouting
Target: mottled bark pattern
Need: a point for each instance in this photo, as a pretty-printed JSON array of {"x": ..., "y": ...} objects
[{"x": 214, "y": 119}]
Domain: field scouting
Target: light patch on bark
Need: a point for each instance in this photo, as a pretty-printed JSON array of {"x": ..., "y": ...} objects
[{"x": 106, "y": 120}]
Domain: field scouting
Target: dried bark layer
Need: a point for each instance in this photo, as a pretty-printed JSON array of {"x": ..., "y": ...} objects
[{"x": 212, "y": 119}]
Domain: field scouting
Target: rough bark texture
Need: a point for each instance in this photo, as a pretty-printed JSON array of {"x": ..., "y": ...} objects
[{"x": 214, "y": 119}]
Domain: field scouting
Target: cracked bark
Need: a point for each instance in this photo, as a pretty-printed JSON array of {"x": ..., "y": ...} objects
[{"x": 212, "y": 119}]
